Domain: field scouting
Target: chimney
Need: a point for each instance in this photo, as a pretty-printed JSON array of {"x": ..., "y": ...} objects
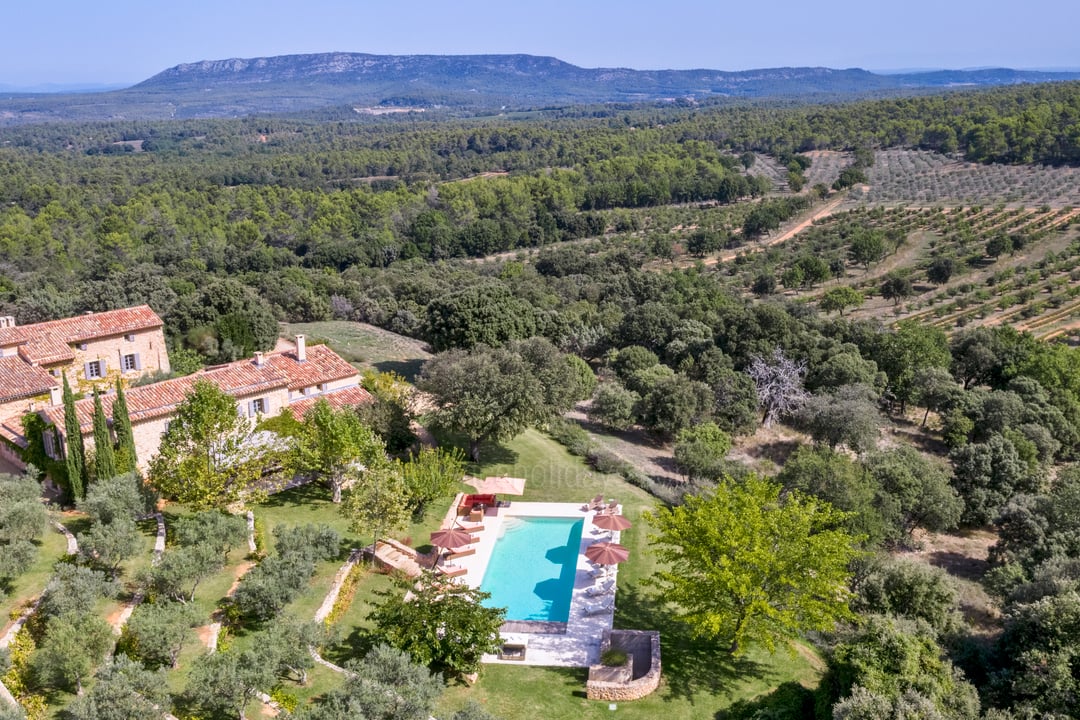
[
  {"x": 7, "y": 321},
  {"x": 56, "y": 395},
  {"x": 301, "y": 348},
  {"x": 258, "y": 359}
]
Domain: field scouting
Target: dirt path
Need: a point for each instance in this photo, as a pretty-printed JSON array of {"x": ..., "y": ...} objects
[
  {"x": 825, "y": 211},
  {"x": 964, "y": 556},
  {"x": 654, "y": 458}
]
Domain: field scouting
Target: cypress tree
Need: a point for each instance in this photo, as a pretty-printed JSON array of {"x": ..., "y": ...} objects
[
  {"x": 125, "y": 436},
  {"x": 104, "y": 460},
  {"x": 75, "y": 451}
]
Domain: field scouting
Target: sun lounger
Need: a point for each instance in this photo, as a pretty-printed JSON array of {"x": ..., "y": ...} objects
[
  {"x": 601, "y": 589},
  {"x": 472, "y": 528},
  {"x": 612, "y": 508},
  {"x": 453, "y": 570},
  {"x": 595, "y": 504},
  {"x": 461, "y": 553},
  {"x": 598, "y": 608}
]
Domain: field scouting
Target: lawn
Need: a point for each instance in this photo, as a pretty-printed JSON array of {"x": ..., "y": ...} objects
[
  {"x": 699, "y": 680},
  {"x": 365, "y": 346},
  {"x": 51, "y": 547}
]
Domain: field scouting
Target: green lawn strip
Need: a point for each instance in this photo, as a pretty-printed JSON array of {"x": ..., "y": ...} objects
[
  {"x": 520, "y": 692},
  {"x": 22, "y": 590},
  {"x": 350, "y": 634}
]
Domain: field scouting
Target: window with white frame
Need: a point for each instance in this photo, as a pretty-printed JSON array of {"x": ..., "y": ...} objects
[
  {"x": 94, "y": 370},
  {"x": 258, "y": 406},
  {"x": 129, "y": 362}
]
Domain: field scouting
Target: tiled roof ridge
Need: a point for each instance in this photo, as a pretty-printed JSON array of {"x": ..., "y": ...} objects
[{"x": 136, "y": 317}]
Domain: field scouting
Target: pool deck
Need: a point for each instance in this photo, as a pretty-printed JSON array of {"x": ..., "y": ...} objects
[{"x": 579, "y": 646}]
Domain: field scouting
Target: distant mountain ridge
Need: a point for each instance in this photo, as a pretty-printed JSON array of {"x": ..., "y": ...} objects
[{"x": 297, "y": 83}]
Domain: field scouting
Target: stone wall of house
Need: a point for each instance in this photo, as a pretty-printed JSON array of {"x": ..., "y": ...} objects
[
  {"x": 149, "y": 345},
  {"x": 11, "y": 412},
  {"x": 643, "y": 647}
]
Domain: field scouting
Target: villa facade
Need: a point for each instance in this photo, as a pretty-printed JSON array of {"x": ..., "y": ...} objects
[
  {"x": 91, "y": 349},
  {"x": 263, "y": 386}
]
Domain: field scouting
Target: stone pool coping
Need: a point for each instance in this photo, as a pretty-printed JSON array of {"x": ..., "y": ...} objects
[{"x": 579, "y": 646}]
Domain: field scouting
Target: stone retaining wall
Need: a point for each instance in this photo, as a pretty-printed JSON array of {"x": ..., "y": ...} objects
[{"x": 645, "y": 677}]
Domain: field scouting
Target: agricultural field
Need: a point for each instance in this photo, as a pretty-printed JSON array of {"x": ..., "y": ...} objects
[
  {"x": 965, "y": 265},
  {"x": 923, "y": 177}
]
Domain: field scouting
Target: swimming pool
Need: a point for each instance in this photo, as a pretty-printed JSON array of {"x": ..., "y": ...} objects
[{"x": 532, "y": 568}]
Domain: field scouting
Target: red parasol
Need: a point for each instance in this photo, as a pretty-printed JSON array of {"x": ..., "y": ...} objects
[
  {"x": 607, "y": 553},
  {"x": 501, "y": 485},
  {"x": 451, "y": 539},
  {"x": 612, "y": 522}
]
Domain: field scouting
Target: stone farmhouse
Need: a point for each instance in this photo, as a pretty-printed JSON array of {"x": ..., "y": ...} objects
[
  {"x": 91, "y": 349},
  {"x": 263, "y": 386}
]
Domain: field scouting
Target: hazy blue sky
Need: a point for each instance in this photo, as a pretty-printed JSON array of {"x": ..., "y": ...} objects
[{"x": 115, "y": 41}]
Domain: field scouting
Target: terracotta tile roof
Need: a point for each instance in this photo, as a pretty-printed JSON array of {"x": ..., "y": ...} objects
[
  {"x": 12, "y": 431},
  {"x": 343, "y": 397},
  {"x": 242, "y": 378},
  {"x": 20, "y": 380},
  {"x": 50, "y": 342},
  {"x": 322, "y": 365}
]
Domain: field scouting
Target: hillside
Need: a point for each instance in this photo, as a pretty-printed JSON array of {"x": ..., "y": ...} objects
[{"x": 298, "y": 83}]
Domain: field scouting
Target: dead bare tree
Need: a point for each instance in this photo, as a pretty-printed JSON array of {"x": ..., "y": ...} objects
[{"x": 779, "y": 384}]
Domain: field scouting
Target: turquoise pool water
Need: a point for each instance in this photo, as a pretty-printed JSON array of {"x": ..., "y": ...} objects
[{"x": 532, "y": 567}]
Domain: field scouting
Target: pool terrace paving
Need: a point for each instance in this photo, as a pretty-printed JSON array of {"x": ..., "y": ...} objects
[{"x": 579, "y": 646}]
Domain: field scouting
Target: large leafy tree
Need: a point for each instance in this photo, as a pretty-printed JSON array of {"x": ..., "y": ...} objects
[
  {"x": 443, "y": 626},
  {"x": 896, "y": 661},
  {"x": 843, "y": 483},
  {"x": 385, "y": 685},
  {"x": 335, "y": 444},
  {"x": 486, "y": 314},
  {"x": 987, "y": 474},
  {"x": 22, "y": 522},
  {"x": 915, "y": 492},
  {"x": 376, "y": 501},
  {"x": 485, "y": 394},
  {"x": 902, "y": 354},
  {"x": 430, "y": 474},
  {"x": 746, "y": 565},
  {"x": 157, "y": 631},
  {"x": 73, "y": 646},
  {"x": 122, "y": 690},
  {"x": 206, "y": 458}
]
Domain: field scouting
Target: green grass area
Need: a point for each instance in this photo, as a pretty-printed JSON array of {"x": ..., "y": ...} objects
[
  {"x": 22, "y": 590},
  {"x": 364, "y": 346},
  {"x": 700, "y": 679}
]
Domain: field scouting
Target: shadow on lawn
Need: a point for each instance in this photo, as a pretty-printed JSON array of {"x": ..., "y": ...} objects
[
  {"x": 408, "y": 369},
  {"x": 301, "y": 494},
  {"x": 691, "y": 664}
]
